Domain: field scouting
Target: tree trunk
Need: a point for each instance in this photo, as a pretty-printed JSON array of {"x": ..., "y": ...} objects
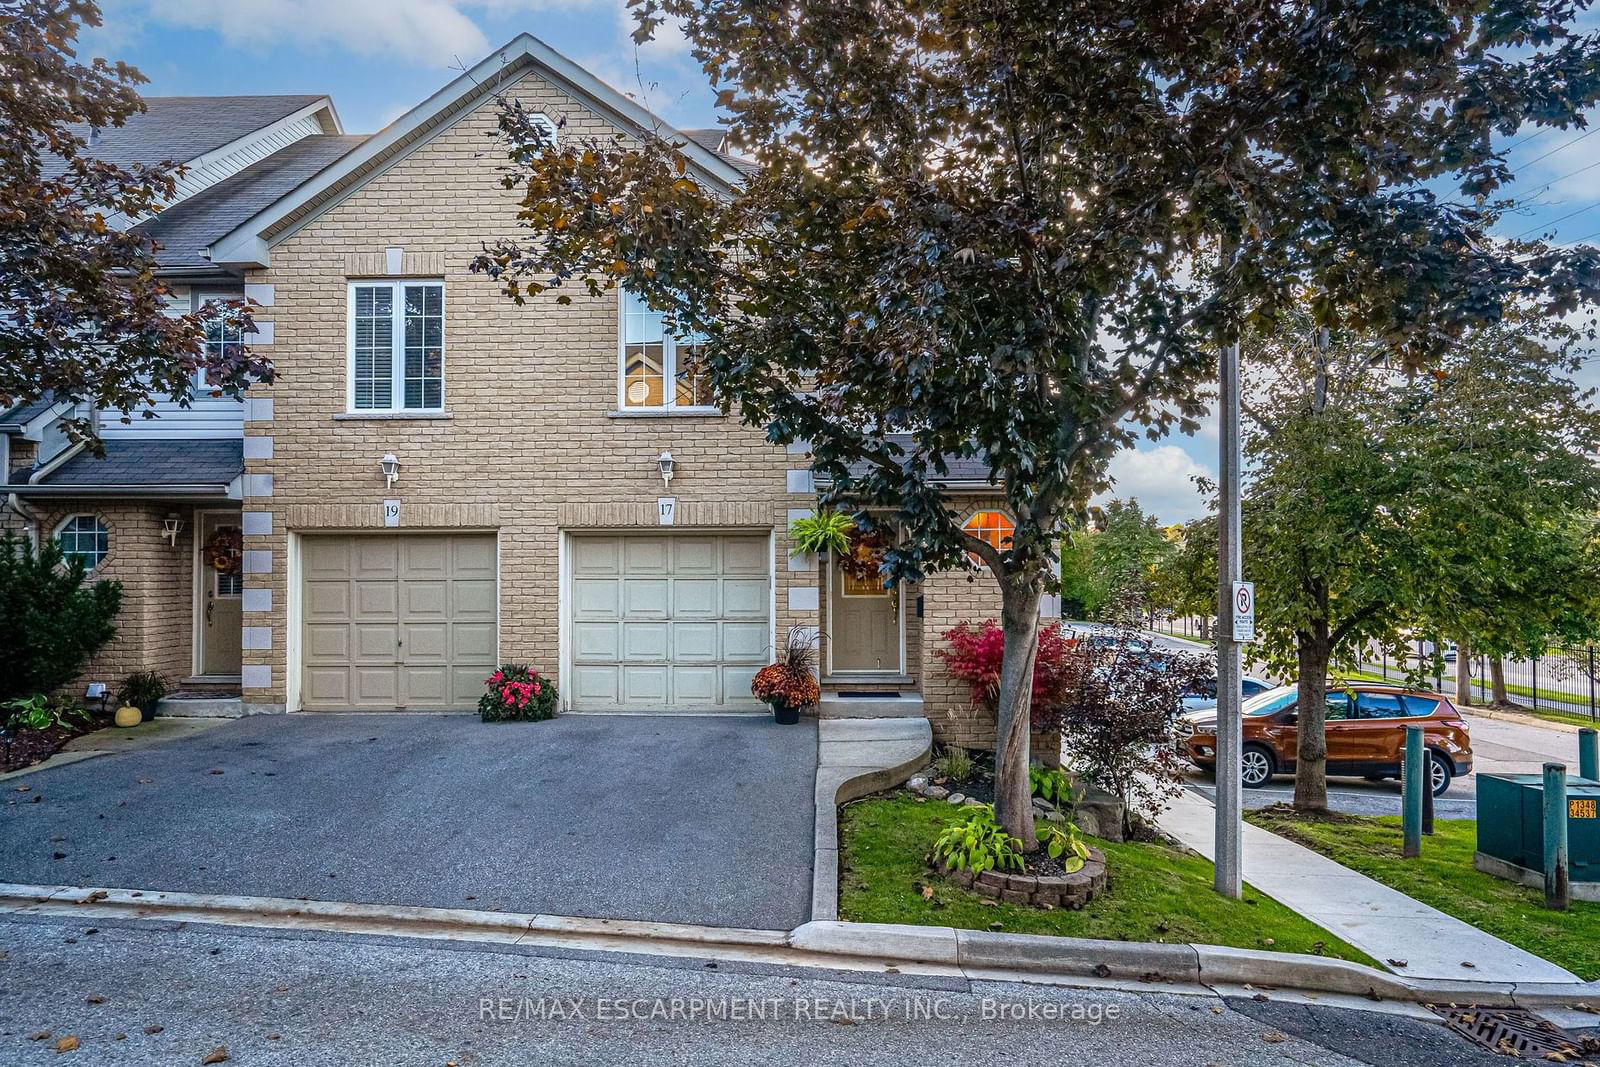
[
  {"x": 1463, "y": 674},
  {"x": 1497, "y": 680},
  {"x": 1019, "y": 622},
  {"x": 1311, "y": 754}
]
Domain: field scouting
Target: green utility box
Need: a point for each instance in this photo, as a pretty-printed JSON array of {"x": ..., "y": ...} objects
[{"x": 1511, "y": 830}]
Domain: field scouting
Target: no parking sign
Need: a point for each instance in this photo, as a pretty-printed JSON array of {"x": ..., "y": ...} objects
[{"x": 1244, "y": 611}]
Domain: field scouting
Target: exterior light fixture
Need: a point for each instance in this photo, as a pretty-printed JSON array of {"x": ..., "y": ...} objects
[
  {"x": 666, "y": 464},
  {"x": 391, "y": 470},
  {"x": 171, "y": 526}
]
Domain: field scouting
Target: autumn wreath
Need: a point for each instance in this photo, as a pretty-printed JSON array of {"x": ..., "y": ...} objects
[{"x": 225, "y": 550}]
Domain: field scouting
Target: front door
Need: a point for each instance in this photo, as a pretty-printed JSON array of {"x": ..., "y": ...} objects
[
  {"x": 221, "y": 583},
  {"x": 863, "y": 624}
]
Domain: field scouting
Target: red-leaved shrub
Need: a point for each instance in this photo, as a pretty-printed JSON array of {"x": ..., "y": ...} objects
[{"x": 973, "y": 654}]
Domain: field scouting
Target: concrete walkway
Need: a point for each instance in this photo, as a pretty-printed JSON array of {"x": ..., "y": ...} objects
[
  {"x": 856, "y": 757},
  {"x": 1408, "y": 936}
]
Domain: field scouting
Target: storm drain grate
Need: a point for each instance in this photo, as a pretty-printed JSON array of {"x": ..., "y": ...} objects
[{"x": 1513, "y": 1032}]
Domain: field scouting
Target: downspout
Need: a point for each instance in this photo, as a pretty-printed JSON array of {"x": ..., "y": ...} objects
[{"x": 14, "y": 503}]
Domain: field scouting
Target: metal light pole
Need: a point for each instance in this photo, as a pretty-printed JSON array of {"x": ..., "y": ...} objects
[{"x": 1230, "y": 695}]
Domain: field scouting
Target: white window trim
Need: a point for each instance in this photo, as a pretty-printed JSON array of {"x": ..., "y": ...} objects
[
  {"x": 397, "y": 347},
  {"x": 55, "y": 536},
  {"x": 669, "y": 369},
  {"x": 198, "y": 298}
]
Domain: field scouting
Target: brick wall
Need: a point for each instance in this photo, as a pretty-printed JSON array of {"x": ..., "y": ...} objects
[{"x": 529, "y": 391}]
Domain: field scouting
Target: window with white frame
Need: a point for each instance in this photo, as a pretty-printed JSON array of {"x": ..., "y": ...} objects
[
  {"x": 396, "y": 346},
  {"x": 659, "y": 370},
  {"x": 84, "y": 538},
  {"x": 224, "y": 338}
]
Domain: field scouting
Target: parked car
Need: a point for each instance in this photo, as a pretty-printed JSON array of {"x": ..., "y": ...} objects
[
  {"x": 1366, "y": 734},
  {"x": 1204, "y": 698}
]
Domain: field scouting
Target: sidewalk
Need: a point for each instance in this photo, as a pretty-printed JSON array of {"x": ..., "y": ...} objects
[{"x": 1384, "y": 923}]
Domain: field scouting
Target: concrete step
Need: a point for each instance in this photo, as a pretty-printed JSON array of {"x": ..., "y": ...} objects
[
  {"x": 850, "y": 706},
  {"x": 201, "y": 707}
]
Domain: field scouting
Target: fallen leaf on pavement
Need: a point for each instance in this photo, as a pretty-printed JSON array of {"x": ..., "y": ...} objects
[
  {"x": 120, "y": 1036},
  {"x": 217, "y": 771},
  {"x": 153, "y": 1029},
  {"x": 98, "y": 894},
  {"x": 216, "y": 1055},
  {"x": 1466, "y": 963},
  {"x": 24, "y": 788},
  {"x": 1274, "y": 1037},
  {"x": 67, "y": 1044},
  {"x": 94, "y": 998},
  {"x": 1216, "y": 1009},
  {"x": 1399, "y": 963},
  {"x": 40, "y": 1035}
]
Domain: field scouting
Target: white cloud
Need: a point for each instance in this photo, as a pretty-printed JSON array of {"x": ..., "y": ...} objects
[
  {"x": 431, "y": 31},
  {"x": 1160, "y": 477}
]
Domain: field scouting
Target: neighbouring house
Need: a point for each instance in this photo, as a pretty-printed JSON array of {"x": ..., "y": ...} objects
[{"x": 440, "y": 480}]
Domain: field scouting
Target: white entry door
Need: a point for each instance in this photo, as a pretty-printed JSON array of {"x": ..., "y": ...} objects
[{"x": 674, "y": 622}]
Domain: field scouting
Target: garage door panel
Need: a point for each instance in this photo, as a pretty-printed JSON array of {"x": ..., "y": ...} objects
[
  {"x": 375, "y": 600},
  {"x": 597, "y": 640},
  {"x": 645, "y": 598},
  {"x": 397, "y": 620},
  {"x": 327, "y": 643},
  {"x": 594, "y": 598},
  {"x": 327, "y": 600},
  {"x": 694, "y": 555},
  {"x": 687, "y": 616},
  {"x": 645, "y": 641},
  {"x": 376, "y": 643},
  {"x": 695, "y": 642},
  {"x": 745, "y": 642},
  {"x": 473, "y": 643},
  {"x": 694, "y": 686},
  {"x": 644, "y": 685},
  {"x": 746, "y": 555},
  {"x": 597, "y": 685},
  {"x": 746, "y": 598},
  {"x": 427, "y": 643},
  {"x": 695, "y": 598}
]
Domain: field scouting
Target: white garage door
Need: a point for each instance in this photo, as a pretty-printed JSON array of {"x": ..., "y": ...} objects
[
  {"x": 397, "y": 621},
  {"x": 669, "y": 622}
]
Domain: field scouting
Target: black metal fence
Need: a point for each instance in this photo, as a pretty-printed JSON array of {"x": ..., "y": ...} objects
[{"x": 1561, "y": 680}]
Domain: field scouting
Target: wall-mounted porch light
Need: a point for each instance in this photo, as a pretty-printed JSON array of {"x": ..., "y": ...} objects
[
  {"x": 171, "y": 526},
  {"x": 391, "y": 470},
  {"x": 666, "y": 464}
]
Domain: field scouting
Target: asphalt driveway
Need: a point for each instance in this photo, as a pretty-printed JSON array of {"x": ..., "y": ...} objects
[{"x": 695, "y": 819}]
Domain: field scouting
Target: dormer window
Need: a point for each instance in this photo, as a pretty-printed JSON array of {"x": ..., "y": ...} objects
[{"x": 658, "y": 370}]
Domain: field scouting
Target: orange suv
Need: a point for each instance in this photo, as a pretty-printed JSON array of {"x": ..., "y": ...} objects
[{"x": 1366, "y": 734}]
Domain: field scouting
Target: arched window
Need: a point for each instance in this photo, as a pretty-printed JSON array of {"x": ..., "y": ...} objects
[
  {"x": 995, "y": 527},
  {"x": 85, "y": 538}
]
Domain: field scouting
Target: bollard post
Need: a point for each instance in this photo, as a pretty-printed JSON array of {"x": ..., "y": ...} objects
[
  {"x": 1427, "y": 791},
  {"x": 1412, "y": 785},
  {"x": 1557, "y": 887},
  {"x": 1589, "y": 754}
]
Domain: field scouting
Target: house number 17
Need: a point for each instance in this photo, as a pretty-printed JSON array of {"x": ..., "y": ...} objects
[{"x": 666, "y": 510}]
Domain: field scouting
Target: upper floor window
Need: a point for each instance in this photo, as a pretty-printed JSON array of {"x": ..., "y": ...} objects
[
  {"x": 396, "y": 346},
  {"x": 994, "y": 527},
  {"x": 659, "y": 370},
  {"x": 84, "y": 538}
]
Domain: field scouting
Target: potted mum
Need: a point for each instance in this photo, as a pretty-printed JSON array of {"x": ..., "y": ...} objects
[
  {"x": 789, "y": 684},
  {"x": 517, "y": 692}
]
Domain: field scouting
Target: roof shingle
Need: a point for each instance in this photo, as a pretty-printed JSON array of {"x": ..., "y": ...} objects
[{"x": 149, "y": 464}]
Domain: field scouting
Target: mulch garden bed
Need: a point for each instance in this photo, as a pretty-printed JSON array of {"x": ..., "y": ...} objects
[{"x": 27, "y": 747}]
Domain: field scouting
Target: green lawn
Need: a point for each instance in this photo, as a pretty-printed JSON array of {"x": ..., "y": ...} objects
[
  {"x": 1156, "y": 893},
  {"x": 1443, "y": 876}
]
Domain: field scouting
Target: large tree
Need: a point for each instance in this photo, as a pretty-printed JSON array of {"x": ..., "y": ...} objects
[
  {"x": 1018, "y": 231},
  {"x": 83, "y": 317},
  {"x": 1380, "y": 502}
]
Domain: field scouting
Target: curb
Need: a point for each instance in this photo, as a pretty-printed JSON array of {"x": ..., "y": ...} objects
[
  {"x": 824, "y": 944},
  {"x": 1523, "y": 720}
]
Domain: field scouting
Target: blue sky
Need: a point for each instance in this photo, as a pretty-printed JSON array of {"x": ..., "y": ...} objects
[{"x": 378, "y": 58}]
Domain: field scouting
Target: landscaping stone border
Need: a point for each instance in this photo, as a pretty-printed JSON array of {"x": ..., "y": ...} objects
[{"x": 1071, "y": 891}]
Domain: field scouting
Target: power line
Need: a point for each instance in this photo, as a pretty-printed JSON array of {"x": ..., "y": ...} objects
[
  {"x": 1561, "y": 147},
  {"x": 1570, "y": 214}
]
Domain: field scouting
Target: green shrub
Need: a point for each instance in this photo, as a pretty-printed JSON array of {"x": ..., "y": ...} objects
[
  {"x": 822, "y": 532},
  {"x": 953, "y": 763},
  {"x": 40, "y": 712},
  {"x": 51, "y": 619},
  {"x": 143, "y": 690},
  {"x": 1062, "y": 841},
  {"x": 1052, "y": 784},
  {"x": 977, "y": 844},
  {"x": 517, "y": 692}
]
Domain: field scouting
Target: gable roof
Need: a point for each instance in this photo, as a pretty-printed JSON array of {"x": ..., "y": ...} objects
[
  {"x": 250, "y": 242},
  {"x": 184, "y": 230},
  {"x": 181, "y": 128}
]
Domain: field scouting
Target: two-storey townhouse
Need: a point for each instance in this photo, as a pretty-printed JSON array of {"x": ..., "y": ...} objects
[
  {"x": 159, "y": 512},
  {"x": 440, "y": 480}
]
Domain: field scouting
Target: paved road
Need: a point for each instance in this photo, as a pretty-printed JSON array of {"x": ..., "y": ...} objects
[
  {"x": 697, "y": 819},
  {"x": 1498, "y": 746},
  {"x": 268, "y": 999}
]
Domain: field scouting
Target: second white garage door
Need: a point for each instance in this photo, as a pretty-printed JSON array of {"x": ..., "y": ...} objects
[{"x": 675, "y": 622}]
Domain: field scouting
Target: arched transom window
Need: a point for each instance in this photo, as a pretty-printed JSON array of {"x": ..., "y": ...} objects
[{"x": 995, "y": 527}]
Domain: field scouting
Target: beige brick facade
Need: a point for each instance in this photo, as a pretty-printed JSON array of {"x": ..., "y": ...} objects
[{"x": 530, "y": 443}]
